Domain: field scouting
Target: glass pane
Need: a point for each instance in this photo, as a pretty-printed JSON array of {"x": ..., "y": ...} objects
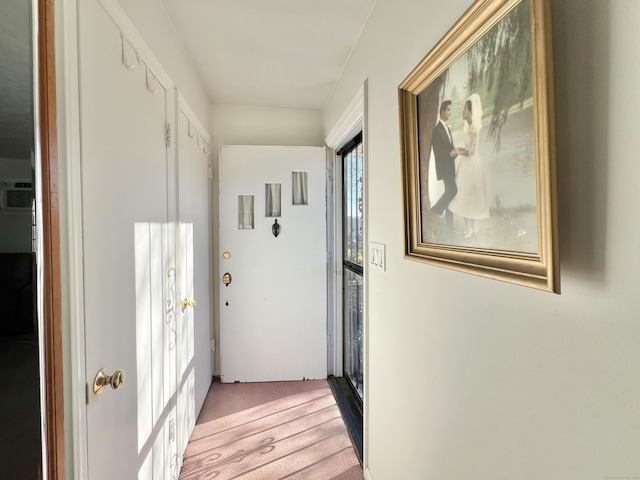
[
  {"x": 300, "y": 188},
  {"x": 359, "y": 213},
  {"x": 272, "y": 200},
  {"x": 353, "y": 261},
  {"x": 245, "y": 212},
  {"x": 353, "y": 356},
  {"x": 353, "y": 214}
]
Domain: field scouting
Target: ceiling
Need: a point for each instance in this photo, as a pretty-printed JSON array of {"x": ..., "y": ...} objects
[{"x": 273, "y": 53}]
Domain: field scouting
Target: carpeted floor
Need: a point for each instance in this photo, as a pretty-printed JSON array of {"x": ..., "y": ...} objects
[{"x": 271, "y": 431}]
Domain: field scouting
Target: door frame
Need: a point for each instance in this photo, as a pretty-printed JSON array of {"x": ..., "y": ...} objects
[
  {"x": 350, "y": 267},
  {"x": 351, "y": 122},
  {"x": 49, "y": 278}
]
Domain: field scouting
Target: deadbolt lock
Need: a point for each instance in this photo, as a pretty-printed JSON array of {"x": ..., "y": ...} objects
[{"x": 226, "y": 279}]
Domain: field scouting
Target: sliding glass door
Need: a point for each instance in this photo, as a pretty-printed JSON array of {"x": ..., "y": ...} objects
[{"x": 353, "y": 254}]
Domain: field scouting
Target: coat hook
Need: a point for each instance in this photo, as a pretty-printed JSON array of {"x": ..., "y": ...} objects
[
  {"x": 152, "y": 84},
  {"x": 129, "y": 65}
]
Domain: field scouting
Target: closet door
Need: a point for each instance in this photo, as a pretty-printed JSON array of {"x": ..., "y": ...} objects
[
  {"x": 128, "y": 214},
  {"x": 194, "y": 293}
]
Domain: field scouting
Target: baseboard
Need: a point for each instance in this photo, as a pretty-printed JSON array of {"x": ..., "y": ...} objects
[{"x": 367, "y": 474}]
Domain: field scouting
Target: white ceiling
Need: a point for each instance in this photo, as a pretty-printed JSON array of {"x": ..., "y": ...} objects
[{"x": 276, "y": 53}]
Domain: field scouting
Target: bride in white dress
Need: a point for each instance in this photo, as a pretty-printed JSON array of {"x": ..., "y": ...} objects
[{"x": 471, "y": 201}]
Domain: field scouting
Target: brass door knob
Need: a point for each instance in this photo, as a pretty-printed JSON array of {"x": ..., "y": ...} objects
[
  {"x": 188, "y": 303},
  {"x": 103, "y": 379}
]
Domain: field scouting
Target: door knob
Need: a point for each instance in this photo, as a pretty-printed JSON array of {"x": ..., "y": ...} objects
[
  {"x": 188, "y": 303},
  {"x": 103, "y": 379}
]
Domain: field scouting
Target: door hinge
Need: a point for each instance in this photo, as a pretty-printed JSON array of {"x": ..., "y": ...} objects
[
  {"x": 213, "y": 344},
  {"x": 167, "y": 138},
  {"x": 172, "y": 430},
  {"x": 210, "y": 172}
]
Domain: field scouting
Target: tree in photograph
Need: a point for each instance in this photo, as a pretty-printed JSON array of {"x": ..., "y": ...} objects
[
  {"x": 499, "y": 70},
  {"x": 500, "y": 67}
]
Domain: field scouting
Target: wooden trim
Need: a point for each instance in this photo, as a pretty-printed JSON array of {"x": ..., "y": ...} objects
[{"x": 51, "y": 291}]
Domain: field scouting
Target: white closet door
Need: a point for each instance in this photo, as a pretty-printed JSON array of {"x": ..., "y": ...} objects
[
  {"x": 194, "y": 330},
  {"x": 129, "y": 255}
]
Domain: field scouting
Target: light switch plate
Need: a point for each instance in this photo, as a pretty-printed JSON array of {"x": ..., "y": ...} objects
[{"x": 377, "y": 256}]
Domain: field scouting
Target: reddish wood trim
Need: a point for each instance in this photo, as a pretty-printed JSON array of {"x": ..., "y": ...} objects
[{"x": 51, "y": 291}]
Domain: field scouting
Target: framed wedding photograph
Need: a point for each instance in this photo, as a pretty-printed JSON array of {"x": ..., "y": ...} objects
[{"x": 477, "y": 135}]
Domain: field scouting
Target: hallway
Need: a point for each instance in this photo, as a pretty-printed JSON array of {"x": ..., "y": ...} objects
[{"x": 268, "y": 431}]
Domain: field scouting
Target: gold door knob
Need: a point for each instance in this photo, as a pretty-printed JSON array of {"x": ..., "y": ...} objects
[
  {"x": 188, "y": 303},
  {"x": 103, "y": 379}
]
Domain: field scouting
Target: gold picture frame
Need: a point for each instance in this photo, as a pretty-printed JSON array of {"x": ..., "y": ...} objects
[{"x": 497, "y": 217}]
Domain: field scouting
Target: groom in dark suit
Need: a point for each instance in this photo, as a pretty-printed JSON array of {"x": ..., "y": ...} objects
[{"x": 445, "y": 155}]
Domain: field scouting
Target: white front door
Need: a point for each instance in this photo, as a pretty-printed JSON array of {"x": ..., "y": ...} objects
[
  {"x": 129, "y": 264},
  {"x": 273, "y": 311}
]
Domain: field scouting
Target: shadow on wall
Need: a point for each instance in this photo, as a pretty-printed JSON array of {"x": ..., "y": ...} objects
[{"x": 583, "y": 114}]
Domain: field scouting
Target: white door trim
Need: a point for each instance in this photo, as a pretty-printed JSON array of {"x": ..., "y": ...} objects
[
  {"x": 351, "y": 122},
  {"x": 69, "y": 149}
]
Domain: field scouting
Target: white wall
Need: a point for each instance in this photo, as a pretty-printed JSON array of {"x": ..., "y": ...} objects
[
  {"x": 151, "y": 19},
  {"x": 16, "y": 232},
  {"x": 15, "y": 227},
  {"x": 474, "y": 378},
  {"x": 251, "y": 125},
  {"x": 16, "y": 169}
]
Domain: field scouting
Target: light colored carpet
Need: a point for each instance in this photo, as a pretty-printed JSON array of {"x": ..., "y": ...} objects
[{"x": 271, "y": 431}]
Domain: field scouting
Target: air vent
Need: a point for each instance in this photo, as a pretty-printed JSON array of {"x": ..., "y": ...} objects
[{"x": 16, "y": 195}]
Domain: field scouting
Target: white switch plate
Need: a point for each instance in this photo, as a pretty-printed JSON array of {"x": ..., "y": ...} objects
[{"x": 377, "y": 256}]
